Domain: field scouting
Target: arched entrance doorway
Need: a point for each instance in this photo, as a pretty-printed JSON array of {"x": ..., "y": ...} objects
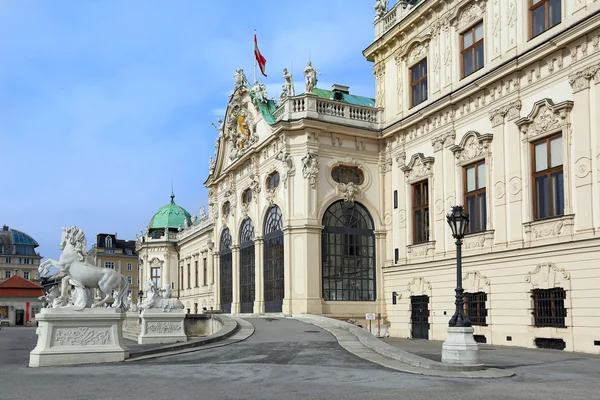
[
  {"x": 226, "y": 272},
  {"x": 247, "y": 267},
  {"x": 273, "y": 260},
  {"x": 348, "y": 253}
]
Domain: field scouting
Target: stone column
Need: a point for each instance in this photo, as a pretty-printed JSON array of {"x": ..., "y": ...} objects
[
  {"x": 259, "y": 292},
  {"x": 380, "y": 263},
  {"x": 496, "y": 188},
  {"x": 596, "y": 113},
  {"x": 235, "y": 279},
  {"x": 400, "y": 234},
  {"x": 582, "y": 149},
  {"x": 444, "y": 190}
]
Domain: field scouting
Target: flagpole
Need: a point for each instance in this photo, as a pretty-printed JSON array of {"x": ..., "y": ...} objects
[{"x": 254, "y": 59}]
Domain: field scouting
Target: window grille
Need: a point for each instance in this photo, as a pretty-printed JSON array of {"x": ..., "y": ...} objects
[
  {"x": 475, "y": 307},
  {"x": 549, "y": 307}
]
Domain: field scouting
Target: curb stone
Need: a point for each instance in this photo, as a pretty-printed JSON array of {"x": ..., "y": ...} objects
[{"x": 364, "y": 345}]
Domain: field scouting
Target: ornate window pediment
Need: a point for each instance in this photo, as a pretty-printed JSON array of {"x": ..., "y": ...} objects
[
  {"x": 419, "y": 167},
  {"x": 472, "y": 147},
  {"x": 468, "y": 14},
  {"x": 416, "y": 49},
  {"x": 547, "y": 276},
  {"x": 545, "y": 118}
]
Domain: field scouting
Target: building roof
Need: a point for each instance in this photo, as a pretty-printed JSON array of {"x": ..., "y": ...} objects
[
  {"x": 345, "y": 97},
  {"x": 170, "y": 216},
  {"x": 20, "y": 287},
  {"x": 23, "y": 238}
]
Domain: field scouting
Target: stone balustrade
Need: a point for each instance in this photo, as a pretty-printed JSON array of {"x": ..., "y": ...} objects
[{"x": 311, "y": 106}]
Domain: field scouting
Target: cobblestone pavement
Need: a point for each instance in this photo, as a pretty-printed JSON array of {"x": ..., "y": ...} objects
[{"x": 284, "y": 359}]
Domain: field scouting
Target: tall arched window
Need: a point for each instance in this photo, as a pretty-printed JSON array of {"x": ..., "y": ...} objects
[
  {"x": 348, "y": 253},
  {"x": 247, "y": 266},
  {"x": 273, "y": 260},
  {"x": 226, "y": 273},
  {"x": 108, "y": 243}
]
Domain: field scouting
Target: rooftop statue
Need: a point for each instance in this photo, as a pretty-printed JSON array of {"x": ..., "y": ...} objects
[
  {"x": 381, "y": 8},
  {"x": 310, "y": 75},
  {"x": 240, "y": 78},
  {"x": 260, "y": 92},
  {"x": 289, "y": 83},
  {"x": 77, "y": 270}
]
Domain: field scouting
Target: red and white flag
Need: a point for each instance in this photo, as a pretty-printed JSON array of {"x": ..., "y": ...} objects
[{"x": 262, "y": 62}]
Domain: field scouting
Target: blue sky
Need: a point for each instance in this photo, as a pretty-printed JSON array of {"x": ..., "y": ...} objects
[{"x": 103, "y": 103}]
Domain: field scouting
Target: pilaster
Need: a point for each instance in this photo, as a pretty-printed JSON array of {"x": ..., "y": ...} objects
[
  {"x": 496, "y": 188},
  {"x": 400, "y": 214},
  {"x": 235, "y": 258},
  {"x": 444, "y": 170},
  {"x": 216, "y": 280},
  {"x": 582, "y": 149},
  {"x": 516, "y": 150},
  {"x": 259, "y": 284}
]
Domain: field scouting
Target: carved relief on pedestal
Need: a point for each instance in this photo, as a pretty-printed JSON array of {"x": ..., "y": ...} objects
[
  {"x": 547, "y": 276},
  {"x": 163, "y": 327},
  {"x": 83, "y": 336}
]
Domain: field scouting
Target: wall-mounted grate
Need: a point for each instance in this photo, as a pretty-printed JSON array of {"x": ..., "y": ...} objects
[
  {"x": 552, "y": 344},
  {"x": 480, "y": 338}
]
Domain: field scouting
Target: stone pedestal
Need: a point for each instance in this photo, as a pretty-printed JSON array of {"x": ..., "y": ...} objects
[
  {"x": 460, "y": 347},
  {"x": 159, "y": 326},
  {"x": 68, "y": 337}
]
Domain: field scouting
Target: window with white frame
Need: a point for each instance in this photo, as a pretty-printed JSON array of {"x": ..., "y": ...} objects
[
  {"x": 26, "y": 274},
  {"x": 129, "y": 266},
  {"x": 109, "y": 264},
  {"x": 108, "y": 242},
  {"x": 548, "y": 186},
  {"x": 130, "y": 280},
  {"x": 7, "y": 274}
]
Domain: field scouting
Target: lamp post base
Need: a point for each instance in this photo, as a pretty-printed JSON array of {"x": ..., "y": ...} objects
[{"x": 460, "y": 348}]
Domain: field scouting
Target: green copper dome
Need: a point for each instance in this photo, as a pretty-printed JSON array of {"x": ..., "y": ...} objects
[{"x": 170, "y": 216}]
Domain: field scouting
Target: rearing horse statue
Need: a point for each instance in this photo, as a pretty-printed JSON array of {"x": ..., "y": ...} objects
[{"x": 74, "y": 266}]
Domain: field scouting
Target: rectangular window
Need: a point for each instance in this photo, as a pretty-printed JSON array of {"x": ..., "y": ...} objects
[
  {"x": 7, "y": 274},
  {"x": 549, "y": 307},
  {"x": 420, "y": 206},
  {"x": 189, "y": 276},
  {"x": 548, "y": 189},
  {"x": 396, "y": 256},
  {"x": 418, "y": 83},
  {"x": 475, "y": 195},
  {"x": 395, "y": 199},
  {"x": 138, "y": 281},
  {"x": 26, "y": 274},
  {"x": 1, "y": 248},
  {"x": 129, "y": 267},
  {"x": 129, "y": 292},
  {"x": 109, "y": 264},
  {"x": 8, "y": 260},
  {"x": 475, "y": 307},
  {"x": 205, "y": 261},
  {"x": 543, "y": 15},
  {"x": 472, "y": 58},
  {"x": 130, "y": 280},
  {"x": 155, "y": 276},
  {"x": 196, "y": 273}
]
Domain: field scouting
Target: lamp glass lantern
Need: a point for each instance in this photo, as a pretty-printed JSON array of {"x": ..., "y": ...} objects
[{"x": 458, "y": 220}]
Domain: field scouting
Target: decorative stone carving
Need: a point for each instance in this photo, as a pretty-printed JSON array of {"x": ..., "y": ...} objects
[
  {"x": 499, "y": 189},
  {"x": 545, "y": 117},
  {"x": 420, "y": 250},
  {"x": 475, "y": 282},
  {"x": 255, "y": 185},
  {"x": 583, "y": 167},
  {"x": 379, "y": 72},
  {"x": 349, "y": 190},
  {"x": 241, "y": 129},
  {"x": 164, "y": 327},
  {"x": 547, "y": 275},
  {"x": 581, "y": 79},
  {"x": 402, "y": 216},
  {"x": 310, "y": 167},
  {"x": 552, "y": 229},
  {"x": 270, "y": 196},
  {"x": 417, "y": 52},
  {"x": 77, "y": 269},
  {"x": 418, "y": 287},
  {"x": 509, "y": 111},
  {"x": 438, "y": 141},
  {"x": 259, "y": 91},
  {"x": 474, "y": 242},
  {"x": 472, "y": 146},
  {"x": 287, "y": 161},
  {"x": 240, "y": 79},
  {"x": 514, "y": 185},
  {"x": 288, "y": 86},
  {"x": 84, "y": 336},
  {"x": 401, "y": 159},
  {"x": 419, "y": 167},
  {"x": 468, "y": 15}
]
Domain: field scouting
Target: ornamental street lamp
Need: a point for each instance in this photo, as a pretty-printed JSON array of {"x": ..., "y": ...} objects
[
  {"x": 458, "y": 220},
  {"x": 460, "y": 347}
]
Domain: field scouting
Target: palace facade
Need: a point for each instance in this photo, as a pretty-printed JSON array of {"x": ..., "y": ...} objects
[{"x": 334, "y": 204}]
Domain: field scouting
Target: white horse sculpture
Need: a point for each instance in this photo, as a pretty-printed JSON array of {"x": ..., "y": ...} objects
[
  {"x": 155, "y": 300},
  {"x": 78, "y": 270}
]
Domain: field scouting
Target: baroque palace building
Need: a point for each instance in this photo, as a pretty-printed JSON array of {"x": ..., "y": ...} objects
[{"x": 334, "y": 204}]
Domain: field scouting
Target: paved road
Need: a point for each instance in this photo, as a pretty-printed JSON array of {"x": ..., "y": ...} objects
[{"x": 284, "y": 359}]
